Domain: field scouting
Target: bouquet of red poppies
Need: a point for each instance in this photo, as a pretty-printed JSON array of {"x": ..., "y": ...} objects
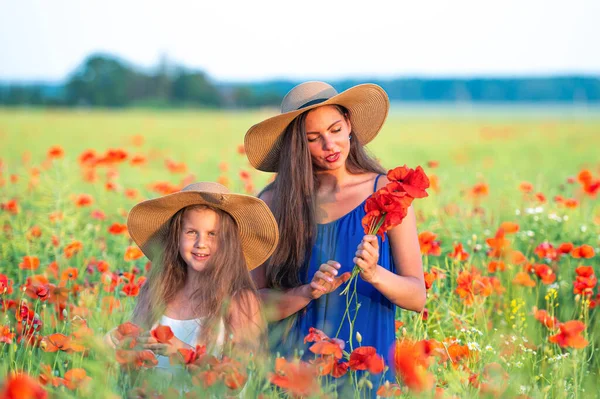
[{"x": 388, "y": 206}]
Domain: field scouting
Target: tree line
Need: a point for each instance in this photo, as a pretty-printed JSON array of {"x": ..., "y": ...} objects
[{"x": 106, "y": 81}]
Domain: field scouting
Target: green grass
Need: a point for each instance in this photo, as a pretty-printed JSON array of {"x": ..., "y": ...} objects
[{"x": 500, "y": 149}]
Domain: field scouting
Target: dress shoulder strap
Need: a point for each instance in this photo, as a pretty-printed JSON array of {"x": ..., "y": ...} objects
[{"x": 376, "y": 180}]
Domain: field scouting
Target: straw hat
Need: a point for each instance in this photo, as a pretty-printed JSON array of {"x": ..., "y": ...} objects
[
  {"x": 148, "y": 221},
  {"x": 368, "y": 105}
]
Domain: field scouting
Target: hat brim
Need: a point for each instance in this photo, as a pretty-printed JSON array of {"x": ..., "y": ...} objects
[
  {"x": 368, "y": 105},
  {"x": 148, "y": 222}
]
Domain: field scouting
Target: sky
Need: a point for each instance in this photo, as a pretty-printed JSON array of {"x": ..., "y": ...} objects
[{"x": 45, "y": 40}]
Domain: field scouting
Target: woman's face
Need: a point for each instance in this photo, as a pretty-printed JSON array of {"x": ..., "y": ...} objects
[{"x": 328, "y": 135}]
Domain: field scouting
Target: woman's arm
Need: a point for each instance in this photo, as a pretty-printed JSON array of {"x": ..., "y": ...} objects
[
  {"x": 405, "y": 289},
  {"x": 281, "y": 304}
]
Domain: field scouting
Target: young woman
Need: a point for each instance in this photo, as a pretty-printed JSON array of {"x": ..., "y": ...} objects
[{"x": 323, "y": 178}]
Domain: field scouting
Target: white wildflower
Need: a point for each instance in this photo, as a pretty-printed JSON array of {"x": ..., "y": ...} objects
[{"x": 474, "y": 346}]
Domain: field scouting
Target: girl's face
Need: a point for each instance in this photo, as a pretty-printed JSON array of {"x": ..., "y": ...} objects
[
  {"x": 328, "y": 133},
  {"x": 198, "y": 238}
]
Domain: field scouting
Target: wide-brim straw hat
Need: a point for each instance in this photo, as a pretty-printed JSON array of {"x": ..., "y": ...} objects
[
  {"x": 368, "y": 105},
  {"x": 148, "y": 221}
]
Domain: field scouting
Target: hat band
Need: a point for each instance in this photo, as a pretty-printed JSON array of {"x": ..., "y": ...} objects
[{"x": 312, "y": 102}]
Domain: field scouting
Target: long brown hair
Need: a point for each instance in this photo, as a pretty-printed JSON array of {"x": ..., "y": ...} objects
[
  {"x": 293, "y": 203},
  {"x": 225, "y": 279}
]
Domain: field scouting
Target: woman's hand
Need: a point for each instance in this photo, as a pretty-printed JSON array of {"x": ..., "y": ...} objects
[
  {"x": 325, "y": 279},
  {"x": 147, "y": 341},
  {"x": 367, "y": 256}
]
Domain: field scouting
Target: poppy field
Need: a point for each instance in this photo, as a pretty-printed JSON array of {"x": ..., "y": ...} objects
[{"x": 510, "y": 237}]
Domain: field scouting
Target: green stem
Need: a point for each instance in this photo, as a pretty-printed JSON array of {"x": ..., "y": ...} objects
[{"x": 353, "y": 277}]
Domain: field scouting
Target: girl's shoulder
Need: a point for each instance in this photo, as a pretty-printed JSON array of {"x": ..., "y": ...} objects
[{"x": 245, "y": 306}]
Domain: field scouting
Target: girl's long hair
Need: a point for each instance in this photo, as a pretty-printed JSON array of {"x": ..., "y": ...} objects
[
  {"x": 293, "y": 201},
  {"x": 225, "y": 279}
]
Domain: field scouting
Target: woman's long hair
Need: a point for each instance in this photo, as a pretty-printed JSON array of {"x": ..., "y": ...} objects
[
  {"x": 224, "y": 280},
  {"x": 293, "y": 201}
]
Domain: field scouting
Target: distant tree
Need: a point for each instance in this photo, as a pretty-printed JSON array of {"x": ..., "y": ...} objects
[
  {"x": 101, "y": 81},
  {"x": 194, "y": 88}
]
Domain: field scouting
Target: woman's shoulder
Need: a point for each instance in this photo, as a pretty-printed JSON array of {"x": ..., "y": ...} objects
[
  {"x": 373, "y": 180},
  {"x": 267, "y": 196},
  {"x": 381, "y": 180}
]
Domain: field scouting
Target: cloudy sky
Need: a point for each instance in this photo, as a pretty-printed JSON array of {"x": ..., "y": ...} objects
[{"x": 263, "y": 39}]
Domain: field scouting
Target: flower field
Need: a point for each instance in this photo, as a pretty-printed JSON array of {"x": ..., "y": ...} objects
[{"x": 510, "y": 237}]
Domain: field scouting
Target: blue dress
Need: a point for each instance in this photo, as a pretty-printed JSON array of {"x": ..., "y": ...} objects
[{"x": 337, "y": 241}]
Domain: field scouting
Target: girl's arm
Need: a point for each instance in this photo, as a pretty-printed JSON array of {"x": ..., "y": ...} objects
[{"x": 247, "y": 326}]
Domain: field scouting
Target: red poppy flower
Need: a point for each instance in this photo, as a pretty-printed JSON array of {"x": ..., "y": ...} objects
[
  {"x": 543, "y": 317},
  {"x": 459, "y": 253},
  {"x": 29, "y": 263},
  {"x": 131, "y": 193},
  {"x": 133, "y": 253},
  {"x": 571, "y": 203},
  {"x": 541, "y": 198},
  {"x": 188, "y": 356},
  {"x": 72, "y": 249},
  {"x": 327, "y": 347},
  {"x": 570, "y": 335},
  {"x": 162, "y": 334},
  {"x": 366, "y": 358},
  {"x": 428, "y": 244},
  {"x": 137, "y": 160},
  {"x": 299, "y": 379},
  {"x": 34, "y": 232},
  {"x": 565, "y": 248},
  {"x": 410, "y": 365},
  {"x": 546, "y": 251},
  {"x": 388, "y": 390},
  {"x": 176, "y": 167},
  {"x": 128, "y": 329},
  {"x": 496, "y": 265},
  {"x": 509, "y": 227},
  {"x": 130, "y": 289},
  {"x": 315, "y": 335},
  {"x": 385, "y": 210},
  {"x": 545, "y": 273},
  {"x": 585, "y": 251},
  {"x": 480, "y": 190},
  {"x": 22, "y": 386},
  {"x": 88, "y": 157},
  {"x": 526, "y": 187},
  {"x": 6, "y": 285},
  {"x": 429, "y": 279},
  {"x": 522, "y": 278},
  {"x": 11, "y": 206},
  {"x": 56, "y": 152},
  {"x": 82, "y": 200},
  {"x": 412, "y": 181},
  {"x": 117, "y": 228},
  {"x": 6, "y": 336}
]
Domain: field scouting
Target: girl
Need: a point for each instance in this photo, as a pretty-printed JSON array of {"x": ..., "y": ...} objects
[
  {"x": 323, "y": 178},
  {"x": 202, "y": 241}
]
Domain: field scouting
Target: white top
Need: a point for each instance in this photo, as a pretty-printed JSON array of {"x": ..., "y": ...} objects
[{"x": 187, "y": 331}]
